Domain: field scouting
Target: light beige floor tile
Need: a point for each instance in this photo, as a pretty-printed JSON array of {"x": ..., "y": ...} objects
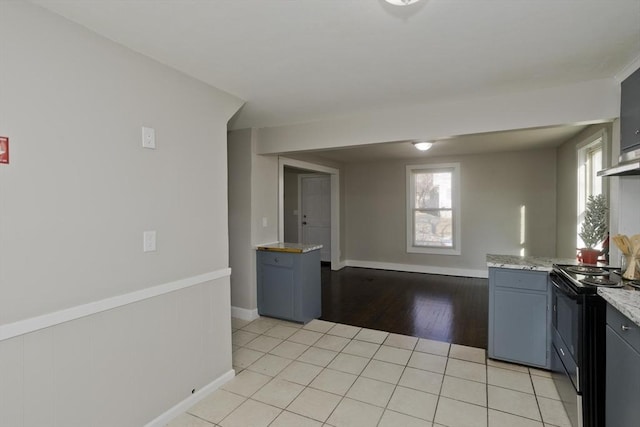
[
  {"x": 318, "y": 325},
  {"x": 371, "y": 391},
  {"x": 383, "y": 371},
  {"x": 464, "y": 390},
  {"x": 361, "y": 348},
  {"x": 217, "y": 405},
  {"x": 513, "y": 402},
  {"x": 269, "y": 365},
  {"x": 470, "y": 354},
  {"x": 428, "y": 362},
  {"x": 434, "y": 347},
  {"x": 289, "y": 419},
  {"x": 401, "y": 341},
  {"x": 509, "y": 379},
  {"x": 414, "y": 403},
  {"x": 395, "y": 419},
  {"x": 188, "y": 420},
  {"x": 332, "y": 342},
  {"x": 502, "y": 419},
  {"x": 299, "y": 373},
  {"x": 281, "y": 331},
  {"x": 346, "y": 331},
  {"x": 349, "y": 363},
  {"x": 289, "y": 350},
  {"x": 251, "y": 414},
  {"x": 506, "y": 365},
  {"x": 306, "y": 337},
  {"x": 553, "y": 412},
  {"x": 241, "y": 338},
  {"x": 540, "y": 372},
  {"x": 243, "y": 357},
  {"x": 454, "y": 413},
  {"x": 372, "y": 335},
  {"x": 335, "y": 382},
  {"x": 314, "y": 404},
  {"x": 421, "y": 380},
  {"x": 545, "y": 387},
  {"x": 317, "y": 356},
  {"x": 246, "y": 383},
  {"x": 466, "y": 370},
  {"x": 263, "y": 343},
  {"x": 260, "y": 326},
  {"x": 351, "y": 413},
  {"x": 278, "y": 393},
  {"x": 237, "y": 323},
  {"x": 399, "y": 356}
]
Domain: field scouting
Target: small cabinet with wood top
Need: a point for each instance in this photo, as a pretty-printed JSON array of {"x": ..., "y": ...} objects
[{"x": 519, "y": 318}]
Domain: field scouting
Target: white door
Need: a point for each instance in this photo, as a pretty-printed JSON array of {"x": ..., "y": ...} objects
[{"x": 315, "y": 212}]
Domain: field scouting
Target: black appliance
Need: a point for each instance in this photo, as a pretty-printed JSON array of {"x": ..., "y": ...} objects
[{"x": 578, "y": 337}]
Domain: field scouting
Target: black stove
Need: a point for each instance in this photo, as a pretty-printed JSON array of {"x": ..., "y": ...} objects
[{"x": 585, "y": 279}]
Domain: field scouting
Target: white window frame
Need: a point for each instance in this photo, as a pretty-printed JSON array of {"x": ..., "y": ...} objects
[
  {"x": 455, "y": 207},
  {"x": 583, "y": 150}
]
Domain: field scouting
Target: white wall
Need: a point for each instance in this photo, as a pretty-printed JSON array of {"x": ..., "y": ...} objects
[
  {"x": 493, "y": 187},
  {"x": 74, "y": 202}
]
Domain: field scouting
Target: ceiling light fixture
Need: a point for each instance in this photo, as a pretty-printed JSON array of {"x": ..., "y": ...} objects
[
  {"x": 422, "y": 145},
  {"x": 401, "y": 2}
]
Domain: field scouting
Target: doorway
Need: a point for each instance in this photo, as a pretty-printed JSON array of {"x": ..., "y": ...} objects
[{"x": 314, "y": 220}]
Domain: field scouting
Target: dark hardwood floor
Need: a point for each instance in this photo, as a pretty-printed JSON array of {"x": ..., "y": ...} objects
[{"x": 443, "y": 308}]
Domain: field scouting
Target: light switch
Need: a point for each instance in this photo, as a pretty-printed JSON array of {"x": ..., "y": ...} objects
[
  {"x": 148, "y": 137},
  {"x": 149, "y": 241}
]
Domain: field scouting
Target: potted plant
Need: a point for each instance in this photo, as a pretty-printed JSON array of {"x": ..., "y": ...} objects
[{"x": 594, "y": 228}]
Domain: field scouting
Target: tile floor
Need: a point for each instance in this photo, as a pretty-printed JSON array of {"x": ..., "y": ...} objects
[{"x": 328, "y": 374}]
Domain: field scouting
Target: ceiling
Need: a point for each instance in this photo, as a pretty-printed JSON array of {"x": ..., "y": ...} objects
[{"x": 308, "y": 60}]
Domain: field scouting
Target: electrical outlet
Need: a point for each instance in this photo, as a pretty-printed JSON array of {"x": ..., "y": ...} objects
[
  {"x": 149, "y": 241},
  {"x": 148, "y": 137}
]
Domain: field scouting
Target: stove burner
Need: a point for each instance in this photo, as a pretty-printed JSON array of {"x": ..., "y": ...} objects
[
  {"x": 634, "y": 283},
  {"x": 589, "y": 271},
  {"x": 600, "y": 281}
]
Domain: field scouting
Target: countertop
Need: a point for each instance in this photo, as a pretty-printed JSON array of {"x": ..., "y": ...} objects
[
  {"x": 532, "y": 263},
  {"x": 296, "y": 248},
  {"x": 625, "y": 301}
]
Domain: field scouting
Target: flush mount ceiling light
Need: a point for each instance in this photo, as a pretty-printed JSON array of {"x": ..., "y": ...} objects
[
  {"x": 422, "y": 145},
  {"x": 401, "y": 2}
]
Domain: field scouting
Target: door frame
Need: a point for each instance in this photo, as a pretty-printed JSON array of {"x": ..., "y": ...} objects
[{"x": 335, "y": 202}]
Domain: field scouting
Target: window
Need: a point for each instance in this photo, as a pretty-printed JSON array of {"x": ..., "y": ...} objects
[
  {"x": 433, "y": 209},
  {"x": 590, "y": 160}
]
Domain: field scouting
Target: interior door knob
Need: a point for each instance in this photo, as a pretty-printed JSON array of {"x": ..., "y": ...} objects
[{"x": 304, "y": 222}]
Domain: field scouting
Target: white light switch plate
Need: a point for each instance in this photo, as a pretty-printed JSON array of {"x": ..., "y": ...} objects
[
  {"x": 149, "y": 241},
  {"x": 148, "y": 137}
]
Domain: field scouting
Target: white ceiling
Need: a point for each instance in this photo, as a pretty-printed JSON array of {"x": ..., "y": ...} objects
[{"x": 304, "y": 60}]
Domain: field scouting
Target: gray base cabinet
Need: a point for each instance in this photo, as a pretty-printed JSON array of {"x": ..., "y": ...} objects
[
  {"x": 289, "y": 285},
  {"x": 519, "y": 317},
  {"x": 623, "y": 370}
]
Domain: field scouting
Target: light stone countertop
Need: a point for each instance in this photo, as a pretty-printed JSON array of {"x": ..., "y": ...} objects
[
  {"x": 296, "y": 248},
  {"x": 531, "y": 263},
  {"x": 625, "y": 301}
]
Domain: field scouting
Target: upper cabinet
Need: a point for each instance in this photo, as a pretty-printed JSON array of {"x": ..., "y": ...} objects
[{"x": 630, "y": 114}]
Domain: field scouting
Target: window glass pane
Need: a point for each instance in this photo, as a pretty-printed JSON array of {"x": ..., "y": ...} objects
[
  {"x": 432, "y": 190},
  {"x": 433, "y": 228}
]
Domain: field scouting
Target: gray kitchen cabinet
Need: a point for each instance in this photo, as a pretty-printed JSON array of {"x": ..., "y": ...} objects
[
  {"x": 630, "y": 113},
  {"x": 289, "y": 284},
  {"x": 519, "y": 316},
  {"x": 623, "y": 370}
]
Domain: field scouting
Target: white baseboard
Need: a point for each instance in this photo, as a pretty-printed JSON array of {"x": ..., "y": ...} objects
[
  {"x": 244, "y": 314},
  {"x": 187, "y": 403},
  {"x": 412, "y": 268},
  {"x": 335, "y": 266}
]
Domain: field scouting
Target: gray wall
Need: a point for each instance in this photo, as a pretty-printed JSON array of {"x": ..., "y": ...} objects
[
  {"x": 74, "y": 202},
  {"x": 493, "y": 187}
]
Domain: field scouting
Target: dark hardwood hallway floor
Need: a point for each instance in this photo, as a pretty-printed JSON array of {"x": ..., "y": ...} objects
[{"x": 443, "y": 308}]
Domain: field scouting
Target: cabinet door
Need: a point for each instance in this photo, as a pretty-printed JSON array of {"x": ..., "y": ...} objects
[
  {"x": 520, "y": 326},
  {"x": 630, "y": 112},
  {"x": 276, "y": 296},
  {"x": 623, "y": 382}
]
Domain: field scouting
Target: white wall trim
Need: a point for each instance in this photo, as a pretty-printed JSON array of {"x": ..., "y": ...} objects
[
  {"x": 21, "y": 327},
  {"x": 627, "y": 70},
  {"x": 412, "y": 268},
  {"x": 187, "y": 403},
  {"x": 244, "y": 313}
]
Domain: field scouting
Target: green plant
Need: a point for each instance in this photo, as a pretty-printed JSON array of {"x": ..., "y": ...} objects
[{"x": 594, "y": 226}]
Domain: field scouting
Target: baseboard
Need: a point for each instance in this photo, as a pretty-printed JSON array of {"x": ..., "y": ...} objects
[
  {"x": 335, "y": 266},
  {"x": 187, "y": 403},
  {"x": 244, "y": 314},
  {"x": 412, "y": 268}
]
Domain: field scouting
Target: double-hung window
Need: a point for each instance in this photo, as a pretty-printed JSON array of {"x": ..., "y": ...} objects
[
  {"x": 433, "y": 209},
  {"x": 591, "y": 159}
]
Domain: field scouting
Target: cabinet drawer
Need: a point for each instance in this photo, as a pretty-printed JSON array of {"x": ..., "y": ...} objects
[
  {"x": 521, "y": 279},
  {"x": 281, "y": 259},
  {"x": 624, "y": 327}
]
